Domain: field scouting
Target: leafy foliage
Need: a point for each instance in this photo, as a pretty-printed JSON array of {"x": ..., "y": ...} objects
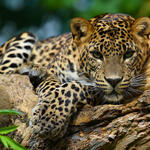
[
  {"x": 4, "y": 139},
  {"x": 10, "y": 112},
  {"x": 38, "y": 16},
  {"x": 8, "y": 142},
  {"x": 6, "y": 130}
]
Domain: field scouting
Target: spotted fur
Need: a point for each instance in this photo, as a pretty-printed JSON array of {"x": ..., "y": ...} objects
[{"x": 100, "y": 60}]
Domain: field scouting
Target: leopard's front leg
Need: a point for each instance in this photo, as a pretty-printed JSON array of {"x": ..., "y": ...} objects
[{"x": 57, "y": 102}]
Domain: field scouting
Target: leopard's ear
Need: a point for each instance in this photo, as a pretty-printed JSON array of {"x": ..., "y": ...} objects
[
  {"x": 81, "y": 30},
  {"x": 141, "y": 29}
]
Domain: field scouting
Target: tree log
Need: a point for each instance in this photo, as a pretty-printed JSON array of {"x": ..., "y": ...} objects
[{"x": 103, "y": 127}]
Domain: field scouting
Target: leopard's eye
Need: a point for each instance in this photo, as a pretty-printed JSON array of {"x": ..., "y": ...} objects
[
  {"x": 97, "y": 54},
  {"x": 128, "y": 54}
]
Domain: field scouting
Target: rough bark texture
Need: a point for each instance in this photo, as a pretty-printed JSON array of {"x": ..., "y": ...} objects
[{"x": 104, "y": 127}]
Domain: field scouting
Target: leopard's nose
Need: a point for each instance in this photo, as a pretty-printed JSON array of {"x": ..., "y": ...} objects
[{"x": 113, "y": 81}]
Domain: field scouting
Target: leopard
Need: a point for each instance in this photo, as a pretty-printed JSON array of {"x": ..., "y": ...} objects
[{"x": 100, "y": 61}]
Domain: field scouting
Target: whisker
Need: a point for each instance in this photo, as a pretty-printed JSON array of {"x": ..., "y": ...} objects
[
  {"x": 137, "y": 84},
  {"x": 133, "y": 88},
  {"x": 127, "y": 94},
  {"x": 96, "y": 92}
]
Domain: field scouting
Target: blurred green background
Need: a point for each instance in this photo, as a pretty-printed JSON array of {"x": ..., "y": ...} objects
[{"x": 51, "y": 17}]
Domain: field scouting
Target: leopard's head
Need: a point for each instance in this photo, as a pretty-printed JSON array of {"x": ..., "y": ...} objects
[{"x": 113, "y": 49}]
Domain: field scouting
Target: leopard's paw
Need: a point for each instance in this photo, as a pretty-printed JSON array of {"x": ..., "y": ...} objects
[{"x": 48, "y": 122}]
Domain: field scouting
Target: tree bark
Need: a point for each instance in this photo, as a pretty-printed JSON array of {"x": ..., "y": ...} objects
[{"x": 103, "y": 127}]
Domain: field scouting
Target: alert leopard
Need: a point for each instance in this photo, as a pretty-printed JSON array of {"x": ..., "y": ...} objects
[{"x": 101, "y": 60}]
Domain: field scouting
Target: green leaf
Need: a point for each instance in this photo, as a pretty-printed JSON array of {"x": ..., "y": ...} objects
[
  {"x": 6, "y": 130},
  {"x": 10, "y": 112},
  {"x": 12, "y": 144},
  {"x": 2, "y": 139}
]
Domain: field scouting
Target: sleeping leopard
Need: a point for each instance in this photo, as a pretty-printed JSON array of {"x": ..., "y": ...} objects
[{"x": 100, "y": 61}]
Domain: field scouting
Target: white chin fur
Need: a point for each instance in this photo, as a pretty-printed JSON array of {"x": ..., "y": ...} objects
[{"x": 113, "y": 98}]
